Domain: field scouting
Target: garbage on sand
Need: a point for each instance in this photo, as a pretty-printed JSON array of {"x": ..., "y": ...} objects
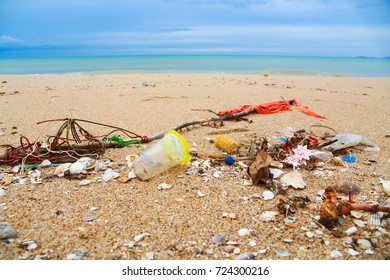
[{"x": 332, "y": 208}]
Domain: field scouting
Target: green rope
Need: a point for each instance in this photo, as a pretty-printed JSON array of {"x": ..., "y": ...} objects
[{"x": 124, "y": 143}]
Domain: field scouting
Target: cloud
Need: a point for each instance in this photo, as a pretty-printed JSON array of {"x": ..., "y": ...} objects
[{"x": 4, "y": 39}]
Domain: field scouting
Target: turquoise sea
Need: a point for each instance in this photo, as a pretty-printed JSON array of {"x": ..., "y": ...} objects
[{"x": 242, "y": 64}]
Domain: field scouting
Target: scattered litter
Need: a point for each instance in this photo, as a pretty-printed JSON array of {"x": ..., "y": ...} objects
[{"x": 352, "y": 140}]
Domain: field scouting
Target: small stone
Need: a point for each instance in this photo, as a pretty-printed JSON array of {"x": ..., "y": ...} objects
[
  {"x": 132, "y": 175},
  {"x": 2, "y": 192},
  {"x": 123, "y": 179},
  {"x": 287, "y": 240},
  {"x": 252, "y": 243},
  {"x": 6, "y": 231},
  {"x": 364, "y": 244},
  {"x": 351, "y": 230},
  {"x": 248, "y": 256}
]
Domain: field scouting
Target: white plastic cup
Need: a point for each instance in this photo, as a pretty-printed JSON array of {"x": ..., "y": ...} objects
[{"x": 170, "y": 151}]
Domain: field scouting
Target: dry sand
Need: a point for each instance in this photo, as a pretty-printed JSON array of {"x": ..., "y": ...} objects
[{"x": 179, "y": 223}]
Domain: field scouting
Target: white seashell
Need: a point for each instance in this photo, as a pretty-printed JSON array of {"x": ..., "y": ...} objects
[
  {"x": 293, "y": 179},
  {"x": 309, "y": 234},
  {"x": 248, "y": 183},
  {"x": 131, "y": 157},
  {"x": 336, "y": 254},
  {"x": 386, "y": 186},
  {"x": 357, "y": 214},
  {"x": 2, "y": 192},
  {"x": 217, "y": 174},
  {"x": 84, "y": 182},
  {"x": 268, "y": 216},
  {"x": 369, "y": 252},
  {"x": 252, "y": 243},
  {"x": 164, "y": 186},
  {"x": 268, "y": 195},
  {"x": 351, "y": 230},
  {"x": 76, "y": 167},
  {"x": 364, "y": 244},
  {"x": 359, "y": 223},
  {"x": 276, "y": 172},
  {"x": 132, "y": 175},
  {"x": 243, "y": 232},
  {"x": 141, "y": 236},
  {"x": 352, "y": 252},
  {"x": 46, "y": 162},
  {"x": 199, "y": 193},
  {"x": 16, "y": 169}
]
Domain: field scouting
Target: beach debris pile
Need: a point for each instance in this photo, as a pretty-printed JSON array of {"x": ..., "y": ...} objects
[{"x": 278, "y": 166}]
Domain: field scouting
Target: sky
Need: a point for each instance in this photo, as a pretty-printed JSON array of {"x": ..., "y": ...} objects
[{"x": 45, "y": 28}]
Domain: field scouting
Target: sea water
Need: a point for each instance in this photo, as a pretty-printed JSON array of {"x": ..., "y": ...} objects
[{"x": 239, "y": 64}]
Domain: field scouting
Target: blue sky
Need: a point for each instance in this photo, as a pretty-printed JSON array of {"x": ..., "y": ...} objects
[{"x": 126, "y": 27}]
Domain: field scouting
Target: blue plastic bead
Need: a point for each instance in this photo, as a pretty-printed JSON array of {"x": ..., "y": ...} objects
[
  {"x": 229, "y": 160},
  {"x": 349, "y": 158}
]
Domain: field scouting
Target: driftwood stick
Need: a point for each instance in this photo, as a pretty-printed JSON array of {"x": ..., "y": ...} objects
[{"x": 187, "y": 124}]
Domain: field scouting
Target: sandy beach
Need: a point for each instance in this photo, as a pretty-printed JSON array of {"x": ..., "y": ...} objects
[{"x": 136, "y": 220}]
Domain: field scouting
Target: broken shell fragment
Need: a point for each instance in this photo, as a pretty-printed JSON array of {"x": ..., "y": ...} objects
[
  {"x": 62, "y": 168},
  {"x": 268, "y": 216},
  {"x": 386, "y": 186},
  {"x": 219, "y": 239},
  {"x": 293, "y": 179}
]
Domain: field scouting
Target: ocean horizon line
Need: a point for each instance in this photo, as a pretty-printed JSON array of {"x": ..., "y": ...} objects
[{"x": 200, "y": 63}]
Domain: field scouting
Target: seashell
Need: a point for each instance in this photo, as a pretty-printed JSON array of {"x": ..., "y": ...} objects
[
  {"x": 335, "y": 254},
  {"x": 132, "y": 175},
  {"x": 200, "y": 194},
  {"x": 364, "y": 244},
  {"x": 359, "y": 223},
  {"x": 268, "y": 216},
  {"x": 45, "y": 163},
  {"x": 386, "y": 186},
  {"x": 6, "y": 231},
  {"x": 219, "y": 239},
  {"x": 62, "y": 168},
  {"x": 141, "y": 236},
  {"x": 88, "y": 218},
  {"x": 309, "y": 234},
  {"x": 277, "y": 164},
  {"x": 282, "y": 253},
  {"x": 252, "y": 243},
  {"x": 236, "y": 251},
  {"x": 113, "y": 165},
  {"x": 293, "y": 179},
  {"x": 351, "y": 230},
  {"x": 276, "y": 172},
  {"x": 357, "y": 214},
  {"x": 131, "y": 157},
  {"x": 30, "y": 245},
  {"x": 76, "y": 167},
  {"x": 243, "y": 232},
  {"x": 8, "y": 180},
  {"x": 84, "y": 182},
  {"x": 352, "y": 252},
  {"x": 233, "y": 216},
  {"x": 268, "y": 195},
  {"x": 123, "y": 179},
  {"x": 247, "y": 256},
  {"x": 2, "y": 192},
  {"x": 16, "y": 169},
  {"x": 248, "y": 183},
  {"x": 164, "y": 186}
]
